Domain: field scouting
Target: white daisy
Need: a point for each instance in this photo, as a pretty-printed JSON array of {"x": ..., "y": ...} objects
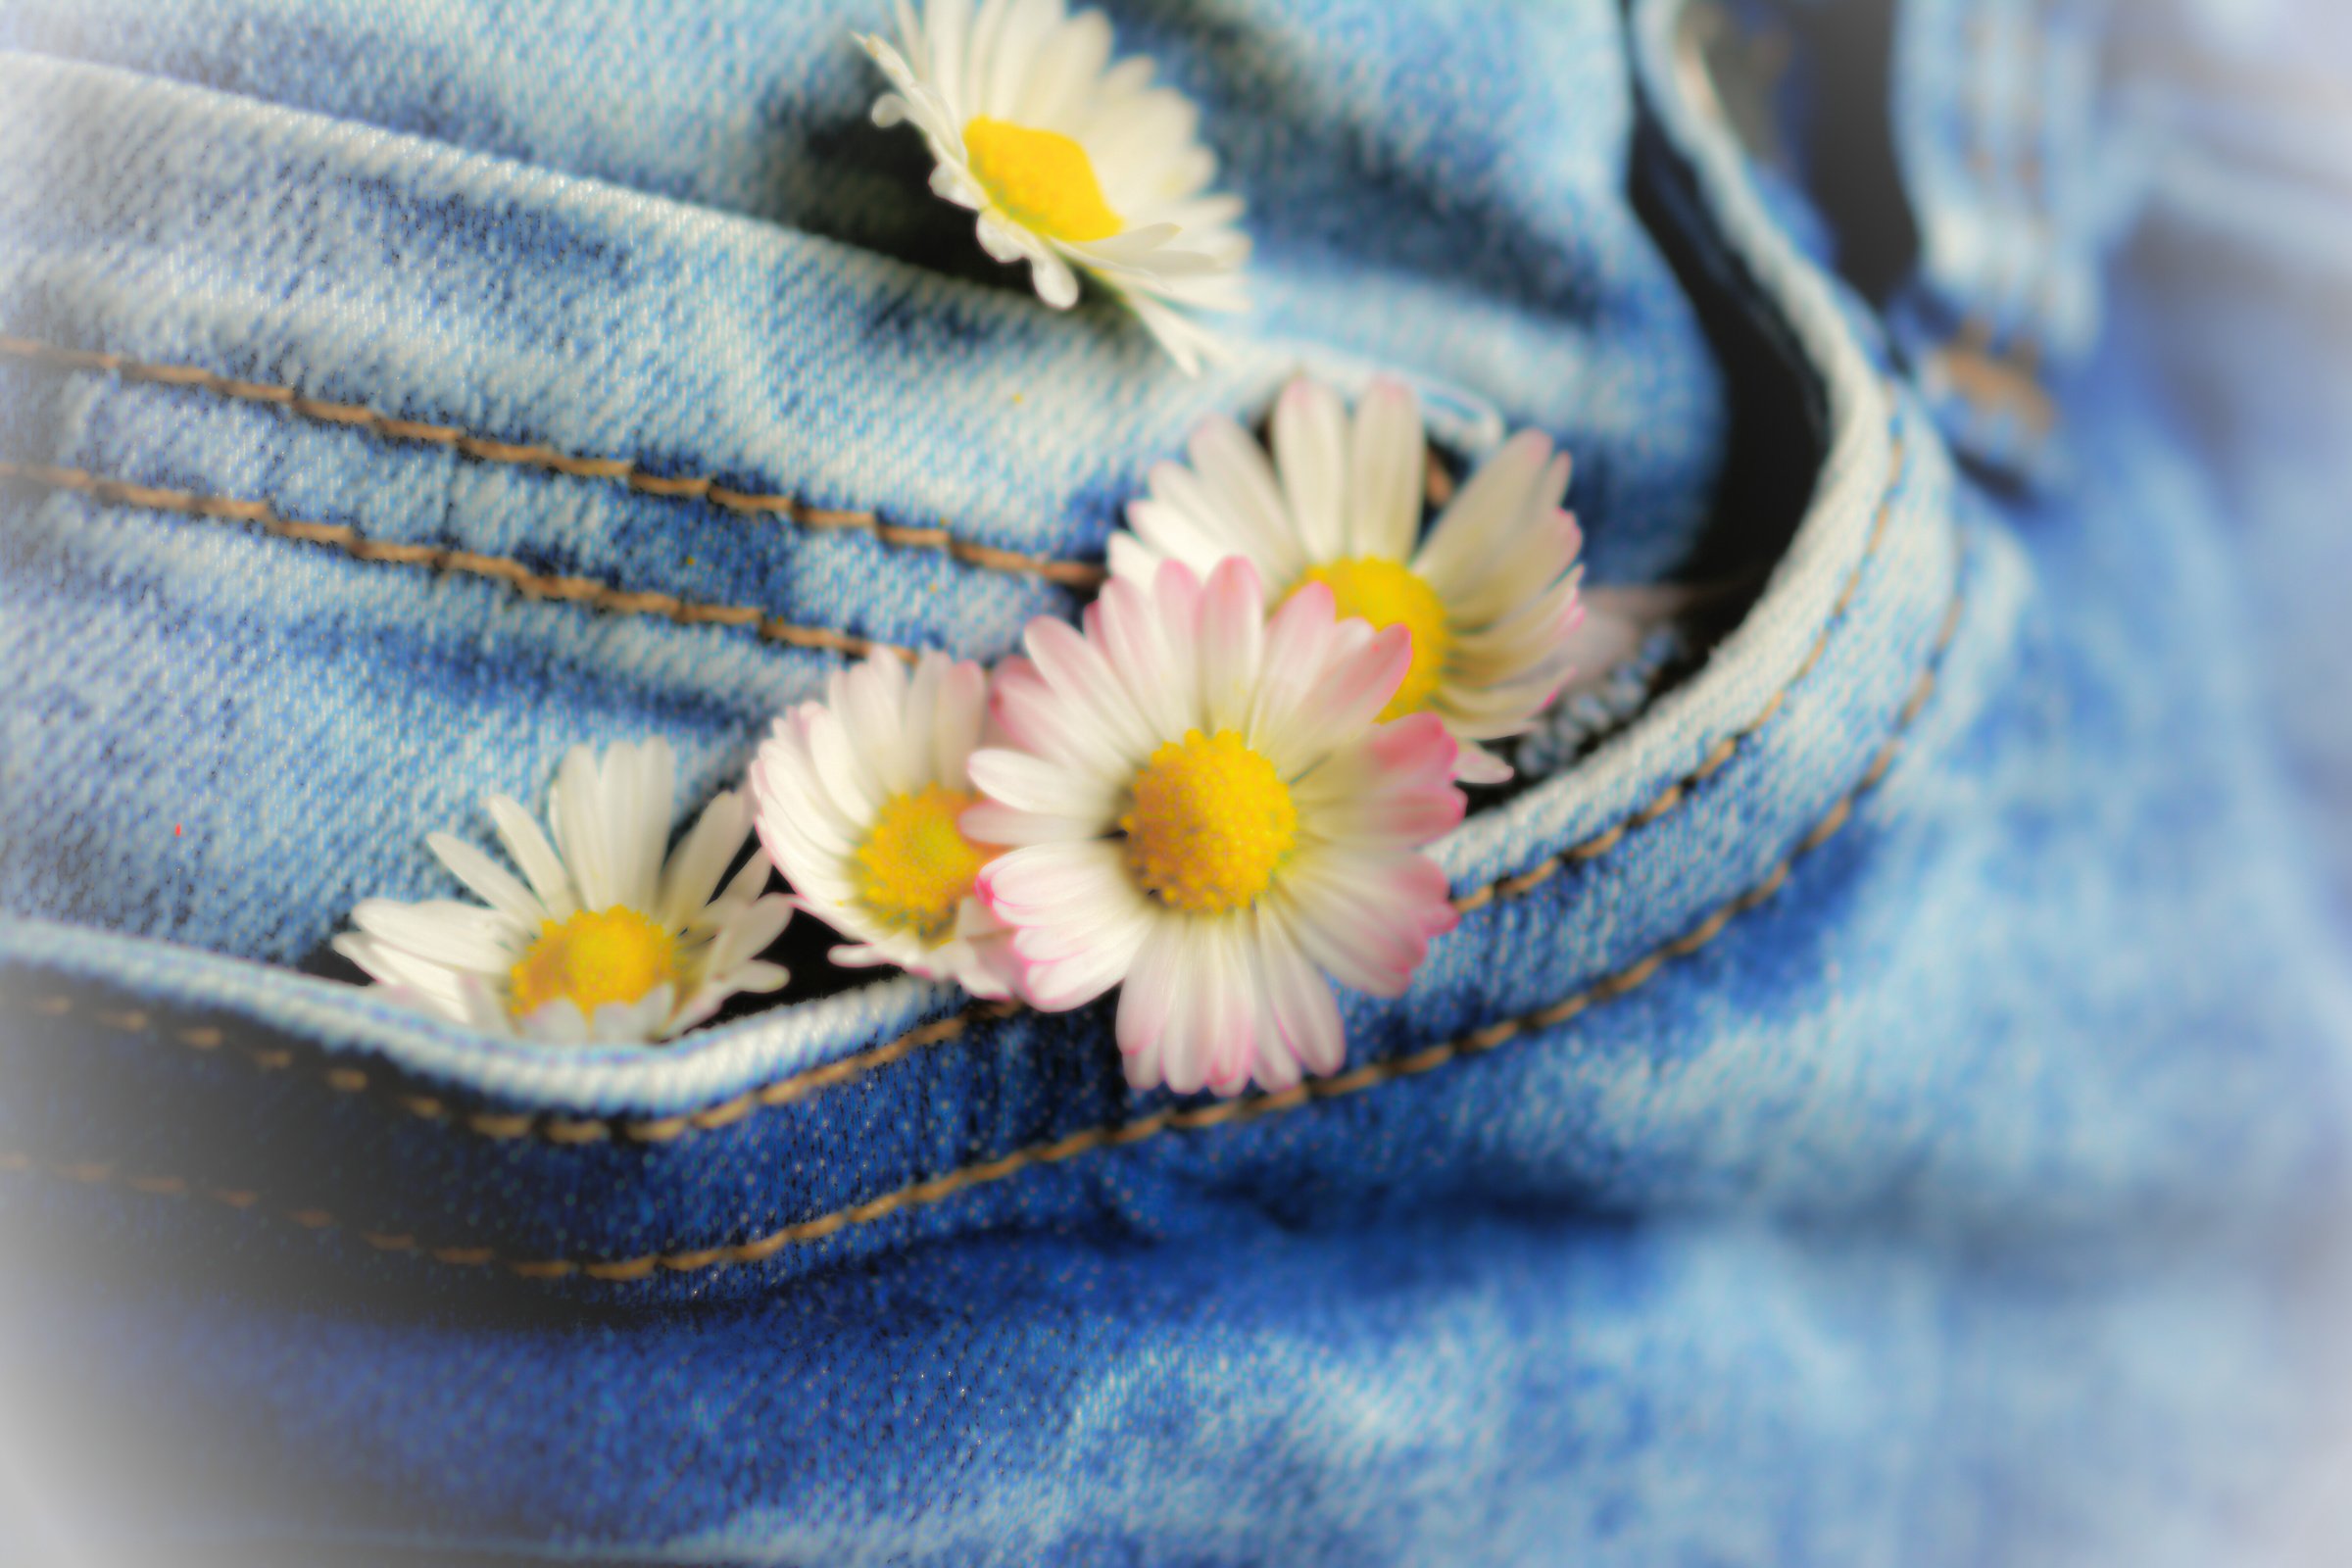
[
  {"x": 1068, "y": 164},
  {"x": 599, "y": 939},
  {"x": 1490, "y": 596},
  {"x": 857, "y": 798},
  {"x": 1202, "y": 807}
]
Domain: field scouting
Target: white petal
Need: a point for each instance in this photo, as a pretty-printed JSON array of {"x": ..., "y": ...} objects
[
  {"x": 1080, "y": 673},
  {"x": 1235, "y": 471},
  {"x": 1019, "y": 42},
  {"x": 1300, "y": 999},
  {"x": 575, "y": 810},
  {"x": 1478, "y": 766},
  {"x": 1227, "y": 1020},
  {"x": 1030, "y": 783},
  {"x": 746, "y": 885},
  {"x": 918, "y": 714},
  {"x": 1056, "y": 283},
  {"x": 1066, "y": 68},
  {"x": 1126, "y": 622},
  {"x": 1387, "y": 459},
  {"x": 1089, "y": 945},
  {"x": 701, "y": 859},
  {"x": 1495, "y": 500},
  {"x": 845, "y": 773},
  {"x": 489, "y": 881},
  {"x": 1311, "y": 452},
  {"x": 557, "y": 1022},
  {"x": 947, "y": 23},
  {"x": 1040, "y": 720},
  {"x": 1231, "y": 643},
  {"x": 956, "y": 720},
  {"x": 1080, "y": 883},
  {"x": 1152, "y": 997},
  {"x": 980, "y": 59},
  {"x": 1119, "y": 137},
  {"x": 1130, "y": 557},
  {"x": 1005, "y": 242},
  {"x": 648, "y": 777},
  {"x": 1351, "y": 689},
  {"x": 1523, "y": 562},
  {"x": 750, "y": 930},
  {"x": 1185, "y": 517},
  {"x": 1303, "y": 643},
  {"x": 530, "y": 849},
  {"x": 431, "y": 985},
  {"x": 443, "y": 931},
  {"x": 987, "y": 823}
]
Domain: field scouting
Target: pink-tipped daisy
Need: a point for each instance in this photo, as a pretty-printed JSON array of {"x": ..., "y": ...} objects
[
  {"x": 600, "y": 939},
  {"x": 1203, "y": 809},
  {"x": 1073, "y": 164},
  {"x": 1488, "y": 596},
  {"x": 857, "y": 798}
]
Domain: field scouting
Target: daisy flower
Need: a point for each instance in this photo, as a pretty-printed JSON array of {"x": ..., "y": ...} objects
[
  {"x": 857, "y": 798},
  {"x": 1202, "y": 809},
  {"x": 1070, "y": 162},
  {"x": 600, "y": 939},
  {"x": 1490, "y": 596}
]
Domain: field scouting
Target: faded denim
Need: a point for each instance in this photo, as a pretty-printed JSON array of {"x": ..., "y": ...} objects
[{"x": 1886, "y": 1105}]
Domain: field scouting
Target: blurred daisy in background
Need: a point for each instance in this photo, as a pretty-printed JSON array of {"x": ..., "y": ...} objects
[
  {"x": 1074, "y": 164},
  {"x": 1200, "y": 808},
  {"x": 857, "y": 798},
  {"x": 600, "y": 939},
  {"x": 1490, "y": 596}
]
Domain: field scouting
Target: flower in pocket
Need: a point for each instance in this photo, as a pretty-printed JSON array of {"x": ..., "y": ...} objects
[
  {"x": 858, "y": 799},
  {"x": 1490, "y": 596},
  {"x": 1073, "y": 164},
  {"x": 599, "y": 938},
  {"x": 1201, "y": 806}
]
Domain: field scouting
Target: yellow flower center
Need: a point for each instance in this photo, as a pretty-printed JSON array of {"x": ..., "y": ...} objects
[
  {"x": 597, "y": 956},
  {"x": 1387, "y": 593},
  {"x": 918, "y": 866},
  {"x": 1041, "y": 179},
  {"x": 1212, "y": 822}
]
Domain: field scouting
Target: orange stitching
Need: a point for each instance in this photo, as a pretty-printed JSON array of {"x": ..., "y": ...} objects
[
  {"x": 1187, "y": 1118},
  {"x": 591, "y": 1130},
  {"x": 618, "y": 470},
  {"x": 566, "y": 1130},
  {"x": 434, "y": 558}
]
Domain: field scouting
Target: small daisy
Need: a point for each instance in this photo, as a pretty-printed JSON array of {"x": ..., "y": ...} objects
[
  {"x": 1490, "y": 596},
  {"x": 1067, "y": 163},
  {"x": 1204, "y": 807},
  {"x": 599, "y": 940},
  {"x": 857, "y": 798}
]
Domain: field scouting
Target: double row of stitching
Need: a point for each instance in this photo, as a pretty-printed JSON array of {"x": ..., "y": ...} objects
[
  {"x": 436, "y": 557},
  {"x": 502, "y": 1125},
  {"x": 1184, "y": 1118},
  {"x": 613, "y": 470},
  {"x": 578, "y": 1130}
]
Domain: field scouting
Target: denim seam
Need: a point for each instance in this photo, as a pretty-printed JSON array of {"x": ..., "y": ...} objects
[
  {"x": 1190, "y": 1118},
  {"x": 583, "y": 1130},
  {"x": 618, "y": 470},
  {"x": 438, "y": 558}
]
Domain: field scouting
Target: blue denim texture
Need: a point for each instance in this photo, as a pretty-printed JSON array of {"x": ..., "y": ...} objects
[{"x": 1886, "y": 1105}]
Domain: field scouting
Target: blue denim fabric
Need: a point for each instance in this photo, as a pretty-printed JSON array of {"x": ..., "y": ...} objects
[{"x": 1886, "y": 1103}]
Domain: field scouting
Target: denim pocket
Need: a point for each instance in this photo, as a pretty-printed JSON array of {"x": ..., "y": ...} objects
[{"x": 406, "y": 597}]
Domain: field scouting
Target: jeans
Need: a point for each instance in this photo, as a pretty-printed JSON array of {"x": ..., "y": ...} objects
[{"x": 1887, "y": 1104}]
